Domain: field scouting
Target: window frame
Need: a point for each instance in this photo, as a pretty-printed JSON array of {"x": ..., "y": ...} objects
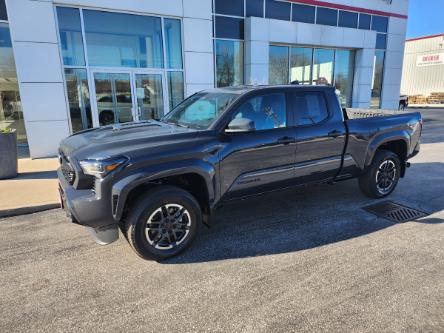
[{"x": 294, "y": 118}]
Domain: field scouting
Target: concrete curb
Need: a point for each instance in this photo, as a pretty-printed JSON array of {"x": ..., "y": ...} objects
[{"x": 27, "y": 210}]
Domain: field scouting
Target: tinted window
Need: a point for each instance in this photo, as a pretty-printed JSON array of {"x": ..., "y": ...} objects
[
  {"x": 255, "y": 8},
  {"x": 173, "y": 43},
  {"x": 303, "y": 13},
  {"x": 229, "y": 63},
  {"x": 348, "y": 19},
  {"x": 310, "y": 108},
  {"x": 381, "y": 41},
  {"x": 327, "y": 16},
  {"x": 364, "y": 21},
  {"x": 380, "y": 23},
  {"x": 70, "y": 33},
  {"x": 277, "y": 10},
  {"x": 229, "y": 27},
  {"x": 3, "y": 14},
  {"x": 278, "y": 68},
  {"x": 267, "y": 111},
  {"x": 229, "y": 7},
  {"x": 123, "y": 40}
]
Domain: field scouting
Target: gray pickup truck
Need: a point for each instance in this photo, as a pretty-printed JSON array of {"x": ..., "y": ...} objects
[{"x": 160, "y": 180}]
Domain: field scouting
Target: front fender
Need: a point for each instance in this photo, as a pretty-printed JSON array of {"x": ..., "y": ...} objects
[
  {"x": 383, "y": 138},
  {"x": 123, "y": 187}
]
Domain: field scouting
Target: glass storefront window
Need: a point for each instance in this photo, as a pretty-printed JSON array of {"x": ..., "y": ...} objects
[
  {"x": 11, "y": 114},
  {"x": 173, "y": 43},
  {"x": 300, "y": 64},
  {"x": 378, "y": 68},
  {"x": 123, "y": 40},
  {"x": 344, "y": 67},
  {"x": 229, "y": 63},
  {"x": 278, "y": 67},
  {"x": 175, "y": 88},
  {"x": 78, "y": 99},
  {"x": 70, "y": 33},
  {"x": 323, "y": 60}
]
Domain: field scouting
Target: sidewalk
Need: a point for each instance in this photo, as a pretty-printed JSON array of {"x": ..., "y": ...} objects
[{"x": 34, "y": 189}]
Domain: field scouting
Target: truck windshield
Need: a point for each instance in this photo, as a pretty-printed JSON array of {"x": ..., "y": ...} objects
[{"x": 200, "y": 110}]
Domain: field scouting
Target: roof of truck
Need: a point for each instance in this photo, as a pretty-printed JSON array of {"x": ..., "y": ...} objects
[{"x": 247, "y": 88}]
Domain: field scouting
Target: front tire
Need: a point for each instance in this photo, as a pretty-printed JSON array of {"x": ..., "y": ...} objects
[
  {"x": 163, "y": 222},
  {"x": 382, "y": 176}
]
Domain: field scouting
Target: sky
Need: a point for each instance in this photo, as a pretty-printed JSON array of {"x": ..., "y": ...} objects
[{"x": 426, "y": 17}]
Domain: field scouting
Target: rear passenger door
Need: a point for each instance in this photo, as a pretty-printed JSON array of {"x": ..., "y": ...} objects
[{"x": 320, "y": 137}]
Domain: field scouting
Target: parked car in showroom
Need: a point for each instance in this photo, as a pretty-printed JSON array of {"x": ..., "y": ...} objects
[{"x": 161, "y": 180}]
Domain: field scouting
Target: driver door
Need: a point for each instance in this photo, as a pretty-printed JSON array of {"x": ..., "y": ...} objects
[{"x": 260, "y": 160}]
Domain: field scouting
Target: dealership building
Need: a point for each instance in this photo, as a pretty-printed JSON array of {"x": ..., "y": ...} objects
[
  {"x": 423, "y": 70},
  {"x": 68, "y": 65}
]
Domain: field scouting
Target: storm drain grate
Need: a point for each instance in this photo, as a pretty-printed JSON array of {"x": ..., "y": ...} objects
[{"x": 394, "y": 212}]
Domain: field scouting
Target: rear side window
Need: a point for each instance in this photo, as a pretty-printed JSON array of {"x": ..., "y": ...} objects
[
  {"x": 309, "y": 108},
  {"x": 267, "y": 111}
]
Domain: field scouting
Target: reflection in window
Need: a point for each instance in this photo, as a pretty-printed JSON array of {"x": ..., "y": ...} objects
[
  {"x": 267, "y": 111},
  {"x": 11, "y": 114},
  {"x": 379, "y": 23},
  {"x": 348, "y": 19},
  {"x": 70, "y": 33},
  {"x": 175, "y": 88},
  {"x": 123, "y": 40},
  {"x": 278, "y": 68},
  {"x": 173, "y": 43},
  {"x": 381, "y": 41},
  {"x": 78, "y": 99},
  {"x": 323, "y": 66},
  {"x": 344, "y": 67},
  {"x": 277, "y": 10},
  {"x": 229, "y": 27},
  {"x": 303, "y": 13},
  {"x": 229, "y": 7},
  {"x": 327, "y": 16},
  {"x": 310, "y": 108},
  {"x": 377, "y": 78},
  {"x": 364, "y": 21},
  {"x": 254, "y": 8},
  {"x": 229, "y": 63},
  {"x": 300, "y": 64}
]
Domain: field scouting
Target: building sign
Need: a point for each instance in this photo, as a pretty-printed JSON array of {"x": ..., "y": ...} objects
[{"x": 430, "y": 60}]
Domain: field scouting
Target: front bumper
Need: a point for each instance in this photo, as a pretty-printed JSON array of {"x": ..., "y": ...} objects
[{"x": 84, "y": 207}]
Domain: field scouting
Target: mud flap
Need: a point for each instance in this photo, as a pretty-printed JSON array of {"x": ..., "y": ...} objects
[{"x": 104, "y": 236}]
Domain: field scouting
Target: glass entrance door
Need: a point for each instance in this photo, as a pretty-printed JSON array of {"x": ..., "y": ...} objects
[
  {"x": 114, "y": 99},
  {"x": 122, "y": 97},
  {"x": 149, "y": 96}
]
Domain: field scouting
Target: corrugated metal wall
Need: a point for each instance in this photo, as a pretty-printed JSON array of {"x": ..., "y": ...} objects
[{"x": 425, "y": 79}]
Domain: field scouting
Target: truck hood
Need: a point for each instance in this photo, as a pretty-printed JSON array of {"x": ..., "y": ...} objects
[{"x": 122, "y": 139}]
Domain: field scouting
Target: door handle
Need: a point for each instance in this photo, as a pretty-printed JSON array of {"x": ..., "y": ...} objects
[
  {"x": 334, "y": 133},
  {"x": 286, "y": 140}
]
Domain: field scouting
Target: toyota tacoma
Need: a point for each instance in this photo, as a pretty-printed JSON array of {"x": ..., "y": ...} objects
[{"x": 160, "y": 180}]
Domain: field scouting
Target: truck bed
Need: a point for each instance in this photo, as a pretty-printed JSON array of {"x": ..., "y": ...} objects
[{"x": 354, "y": 113}]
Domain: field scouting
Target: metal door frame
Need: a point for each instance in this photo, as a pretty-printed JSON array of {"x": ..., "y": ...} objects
[{"x": 132, "y": 72}]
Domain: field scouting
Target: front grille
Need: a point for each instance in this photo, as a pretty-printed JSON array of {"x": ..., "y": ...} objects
[{"x": 67, "y": 170}]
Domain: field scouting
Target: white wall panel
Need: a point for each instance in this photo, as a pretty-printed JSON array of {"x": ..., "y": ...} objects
[
  {"x": 198, "y": 35},
  {"x": 199, "y": 68},
  {"x": 332, "y": 36},
  {"x": 44, "y": 101},
  {"x": 197, "y": 8},
  {"x": 44, "y": 137},
  {"x": 194, "y": 88},
  {"x": 32, "y": 21},
  {"x": 282, "y": 31},
  {"x": 159, "y": 7}
]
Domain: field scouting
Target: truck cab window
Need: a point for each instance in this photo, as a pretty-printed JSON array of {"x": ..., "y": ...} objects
[
  {"x": 267, "y": 111},
  {"x": 309, "y": 108}
]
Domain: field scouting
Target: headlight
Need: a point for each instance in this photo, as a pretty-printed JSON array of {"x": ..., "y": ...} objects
[{"x": 100, "y": 168}]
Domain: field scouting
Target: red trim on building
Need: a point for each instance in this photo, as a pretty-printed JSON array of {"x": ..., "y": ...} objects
[
  {"x": 345, "y": 7},
  {"x": 424, "y": 37}
]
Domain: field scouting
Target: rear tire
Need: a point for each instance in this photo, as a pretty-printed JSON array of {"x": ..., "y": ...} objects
[
  {"x": 163, "y": 222},
  {"x": 382, "y": 175}
]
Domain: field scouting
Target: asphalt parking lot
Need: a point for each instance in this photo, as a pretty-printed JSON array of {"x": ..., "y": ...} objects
[{"x": 304, "y": 260}]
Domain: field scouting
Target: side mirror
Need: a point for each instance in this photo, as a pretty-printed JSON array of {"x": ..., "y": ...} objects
[{"x": 240, "y": 125}]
